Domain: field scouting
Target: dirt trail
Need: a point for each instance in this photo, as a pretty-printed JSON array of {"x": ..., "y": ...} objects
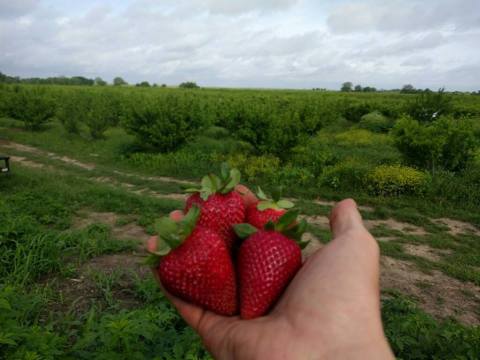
[
  {"x": 32, "y": 150},
  {"x": 457, "y": 227},
  {"x": 156, "y": 178},
  {"x": 438, "y": 294},
  {"x": 126, "y": 231}
]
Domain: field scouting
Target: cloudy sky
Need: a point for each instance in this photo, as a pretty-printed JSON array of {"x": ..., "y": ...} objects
[{"x": 247, "y": 43}]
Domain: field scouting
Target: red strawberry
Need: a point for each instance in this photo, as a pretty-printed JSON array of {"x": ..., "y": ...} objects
[
  {"x": 267, "y": 261},
  {"x": 221, "y": 207},
  {"x": 266, "y": 210},
  {"x": 195, "y": 265}
]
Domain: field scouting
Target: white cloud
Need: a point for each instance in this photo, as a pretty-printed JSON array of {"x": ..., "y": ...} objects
[
  {"x": 404, "y": 16},
  {"x": 285, "y": 43}
]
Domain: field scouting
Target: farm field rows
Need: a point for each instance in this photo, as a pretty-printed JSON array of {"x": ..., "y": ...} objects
[{"x": 76, "y": 208}]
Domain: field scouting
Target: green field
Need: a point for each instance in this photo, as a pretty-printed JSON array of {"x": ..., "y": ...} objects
[{"x": 94, "y": 167}]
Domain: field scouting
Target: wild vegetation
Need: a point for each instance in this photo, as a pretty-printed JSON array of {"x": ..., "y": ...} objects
[{"x": 106, "y": 150}]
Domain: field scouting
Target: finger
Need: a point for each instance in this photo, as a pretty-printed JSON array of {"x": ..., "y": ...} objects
[
  {"x": 247, "y": 195},
  {"x": 152, "y": 244},
  {"x": 345, "y": 217},
  {"x": 177, "y": 215}
]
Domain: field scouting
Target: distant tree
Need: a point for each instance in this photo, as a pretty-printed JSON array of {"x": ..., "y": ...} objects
[
  {"x": 369, "y": 89},
  {"x": 164, "y": 85},
  {"x": 408, "y": 89},
  {"x": 358, "y": 88},
  {"x": 347, "y": 86},
  {"x": 100, "y": 82},
  {"x": 118, "y": 81},
  {"x": 155, "y": 85},
  {"x": 143, "y": 84},
  {"x": 189, "y": 85}
]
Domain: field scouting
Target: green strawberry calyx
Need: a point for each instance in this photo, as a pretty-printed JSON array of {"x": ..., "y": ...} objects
[
  {"x": 275, "y": 203},
  {"x": 223, "y": 184},
  {"x": 172, "y": 234},
  {"x": 288, "y": 225}
]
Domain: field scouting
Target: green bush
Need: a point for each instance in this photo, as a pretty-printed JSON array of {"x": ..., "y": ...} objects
[
  {"x": 375, "y": 122},
  {"x": 165, "y": 123},
  {"x": 314, "y": 156},
  {"x": 394, "y": 180},
  {"x": 34, "y": 106},
  {"x": 429, "y": 106},
  {"x": 348, "y": 174},
  {"x": 72, "y": 112},
  {"x": 255, "y": 167},
  {"x": 354, "y": 112},
  {"x": 101, "y": 113},
  {"x": 446, "y": 143}
]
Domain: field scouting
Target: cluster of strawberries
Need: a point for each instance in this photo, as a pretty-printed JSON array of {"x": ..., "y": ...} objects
[{"x": 231, "y": 251}]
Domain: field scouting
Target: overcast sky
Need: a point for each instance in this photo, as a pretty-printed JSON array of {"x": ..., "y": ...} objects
[{"x": 247, "y": 43}]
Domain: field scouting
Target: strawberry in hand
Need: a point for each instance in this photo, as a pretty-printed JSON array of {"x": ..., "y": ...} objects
[
  {"x": 267, "y": 260},
  {"x": 194, "y": 264},
  {"x": 220, "y": 205},
  {"x": 265, "y": 210}
]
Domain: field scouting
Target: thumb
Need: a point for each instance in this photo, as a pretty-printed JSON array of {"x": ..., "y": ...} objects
[{"x": 345, "y": 217}]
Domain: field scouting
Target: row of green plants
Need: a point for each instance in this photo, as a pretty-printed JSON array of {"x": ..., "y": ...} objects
[{"x": 383, "y": 144}]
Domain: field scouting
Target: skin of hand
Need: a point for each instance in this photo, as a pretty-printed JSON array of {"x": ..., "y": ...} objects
[{"x": 330, "y": 310}]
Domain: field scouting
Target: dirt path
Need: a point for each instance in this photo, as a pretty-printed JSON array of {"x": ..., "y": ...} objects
[{"x": 438, "y": 294}]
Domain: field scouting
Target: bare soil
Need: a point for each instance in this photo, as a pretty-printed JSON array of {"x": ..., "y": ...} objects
[
  {"x": 425, "y": 251},
  {"x": 123, "y": 232},
  {"x": 319, "y": 221},
  {"x": 438, "y": 294},
  {"x": 395, "y": 225},
  {"x": 156, "y": 178},
  {"x": 32, "y": 150},
  {"x": 457, "y": 227},
  {"x": 25, "y": 162}
]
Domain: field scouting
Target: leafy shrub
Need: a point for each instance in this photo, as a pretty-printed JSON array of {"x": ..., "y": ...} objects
[
  {"x": 101, "y": 113},
  {"x": 348, "y": 174},
  {"x": 254, "y": 167},
  {"x": 461, "y": 188},
  {"x": 446, "y": 143},
  {"x": 315, "y": 155},
  {"x": 393, "y": 180},
  {"x": 375, "y": 122},
  {"x": 72, "y": 111},
  {"x": 34, "y": 106},
  {"x": 429, "y": 106},
  {"x": 165, "y": 122},
  {"x": 354, "y": 112}
]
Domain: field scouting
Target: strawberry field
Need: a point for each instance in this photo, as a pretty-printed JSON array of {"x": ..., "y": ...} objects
[{"x": 94, "y": 168}]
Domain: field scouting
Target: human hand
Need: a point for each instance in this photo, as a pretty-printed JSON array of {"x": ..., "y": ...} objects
[{"x": 331, "y": 309}]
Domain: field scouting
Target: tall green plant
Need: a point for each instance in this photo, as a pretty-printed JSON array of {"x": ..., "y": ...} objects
[
  {"x": 446, "y": 143},
  {"x": 34, "y": 106}
]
